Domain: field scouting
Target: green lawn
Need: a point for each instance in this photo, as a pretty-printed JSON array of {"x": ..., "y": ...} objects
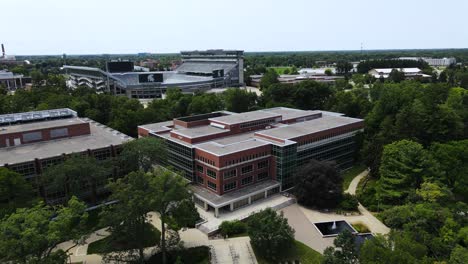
[
  {"x": 349, "y": 175},
  {"x": 195, "y": 255},
  {"x": 280, "y": 70},
  {"x": 300, "y": 252},
  {"x": 113, "y": 243}
]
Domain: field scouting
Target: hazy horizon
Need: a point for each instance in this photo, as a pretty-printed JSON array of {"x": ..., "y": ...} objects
[{"x": 54, "y": 27}]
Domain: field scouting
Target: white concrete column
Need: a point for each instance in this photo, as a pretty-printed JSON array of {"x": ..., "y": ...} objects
[
  {"x": 205, "y": 206},
  {"x": 231, "y": 206},
  {"x": 216, "y": 212},
  {"x": 250, "y": 199},
  {"x": 266, "y": 193}
]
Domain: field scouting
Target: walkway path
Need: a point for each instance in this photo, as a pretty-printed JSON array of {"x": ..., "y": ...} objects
[
  {"x": 354, "y": 183},
  {"x": 234, "y": 250},
  {"x": 302, "y": 219},
  {"x": 374, "y": 224}
]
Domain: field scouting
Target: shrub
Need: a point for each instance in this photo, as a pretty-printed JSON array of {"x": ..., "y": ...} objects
[
  {"x": 349, "y": 202},
  {"x": 360, "y": 227},
  {"x": 230, "y": 228}
]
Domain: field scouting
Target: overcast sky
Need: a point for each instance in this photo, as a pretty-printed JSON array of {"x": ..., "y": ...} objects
[{"x": 161, "y": 26}]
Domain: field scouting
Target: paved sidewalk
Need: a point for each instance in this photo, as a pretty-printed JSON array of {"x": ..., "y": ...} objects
[
  {"x": 354, "y": 183},
  {"x": 235, "y": 250},
  {"x": 213, "y": 222},
  {"x": 302, "y": 219},
  {"x": 305, "y": 230}
]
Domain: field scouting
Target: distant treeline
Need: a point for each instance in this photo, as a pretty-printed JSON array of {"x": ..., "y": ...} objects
[
  {"x": 365, "y": 66},
  {"x": 315, "y": 58}
]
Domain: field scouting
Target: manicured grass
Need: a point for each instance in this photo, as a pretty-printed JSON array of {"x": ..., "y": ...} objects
[
  {"x": 349, "y": 175},
  {"x": 114, "y": 243},
  {"x": 195, "y": 255},
  {"x": 300, "y": 252},
  {"x": 280, "y": 70}
]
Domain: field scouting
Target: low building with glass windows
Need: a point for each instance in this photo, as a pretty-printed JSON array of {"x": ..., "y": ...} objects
[
  {"x": 32, "y": 141},
  {"x": 235, "y": 159}
]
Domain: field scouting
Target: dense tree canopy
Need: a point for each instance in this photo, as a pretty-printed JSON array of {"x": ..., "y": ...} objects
[
  {"x": 75, "y": 172},
  {"x": 344, "y": 252},
  {"x": 365, "y": 66},
  {"x": 15, "y": 191},
  {"x": 143, "y": 153},
  {"x": 404, "y": 166},
  {"x": 30, "y": 234},
  {"x": 270, "y": 233},
  {"x": 318, "y": 184}
]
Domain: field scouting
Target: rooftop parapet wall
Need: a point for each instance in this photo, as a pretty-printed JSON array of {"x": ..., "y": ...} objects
[{"x": 46, "y": 133}]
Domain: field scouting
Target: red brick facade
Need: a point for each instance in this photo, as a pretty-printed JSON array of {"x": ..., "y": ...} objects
[
  {"x": 235, "y": 161},
  {"x": 73, "y": 131}
]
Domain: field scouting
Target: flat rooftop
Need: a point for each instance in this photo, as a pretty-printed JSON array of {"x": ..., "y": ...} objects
[
  {"x": 100, "y": 137},
  {"x": 199, "y": 131},
  {"x": 290, "y": 113},
  {"x": 232, "y": 144},
  {"x": 229, "y": 197},
  {"x": 24, "y": 127},
  {"x": 244, "y": 117},
  {"x": 224, "y": 143},
  {"x": 309, "y": 127},
  {"x": 159, "y": 127}
]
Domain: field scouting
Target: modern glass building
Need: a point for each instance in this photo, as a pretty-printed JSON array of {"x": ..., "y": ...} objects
[{"x": 234, "y": 159}]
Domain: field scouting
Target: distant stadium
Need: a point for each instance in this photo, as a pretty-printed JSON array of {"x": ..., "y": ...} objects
[{"x": 199, "y": 71}]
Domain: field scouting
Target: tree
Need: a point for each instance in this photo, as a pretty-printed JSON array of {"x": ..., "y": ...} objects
[
  {"x": 270, "y": 233},
  {"x": 205, "y": 103},
  {"x": 328, "y": 72},
  {"x": 239, "y": 100},
  {"x": 354, "y": 103},
  {"x": 15, "y": 192},
  {"x": 30, "y": 234},
  {"x": 343, "y": 67},
  {"x": 270, "y": 77},
  {"x": 294, "y": 70},
  {"x": 344, "y": 251},
  {"x": 452, "y": 158},
  {"x": 404, "y": 166},
  {"x": 169, "y": 199},
  {"x": 143, "y": 153},
  {"x": 77, "y": 171},
  {"x": 128, "y": 218},
  {"x": 139, "y": 193},
  {"x": 286, "y": 71},
  {"x": 396, "y": 76},
  {"x": 319, "y": 184},
  {"x": 397, "y": 248},
  {"x": 459, "y": 255}
]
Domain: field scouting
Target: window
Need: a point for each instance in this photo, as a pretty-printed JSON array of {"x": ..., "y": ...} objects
[
  {"x": 262, "y": 164},
  {"x": 247, "y": 180},
  {"x": 32, "y": 136},
  {"x": 200, "y": 180},
  {"x": 200, "y": 168},
  {"x": 262, "y": 176},
  {"x": 230, "y": 186},
  {"x": 59, "y": 132},
  {"x": 247, "y": 169},
  {"x": 211, "y": 173},
  {"x": 212, "y": 185},
  {"x": 230, "y": 174}
]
